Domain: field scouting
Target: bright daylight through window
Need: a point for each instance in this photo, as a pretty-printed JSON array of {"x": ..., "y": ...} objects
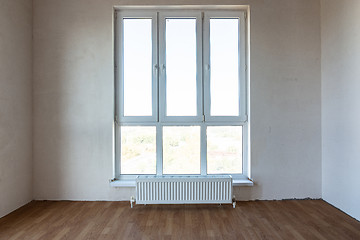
[{"x": 181, "y": 93}]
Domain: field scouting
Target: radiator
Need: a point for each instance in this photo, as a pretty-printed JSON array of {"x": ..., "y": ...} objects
[{"x": 184, "y": 190}]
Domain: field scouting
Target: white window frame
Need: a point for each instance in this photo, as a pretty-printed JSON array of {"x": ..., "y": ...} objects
[
  {"x": 203, "y": 118},
  {"x": 242, "y": 66},
  {"x": 120, "y": 67},
  {"x": 162, "y": 63}
]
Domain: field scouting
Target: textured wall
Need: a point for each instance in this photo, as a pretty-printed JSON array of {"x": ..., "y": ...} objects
[
  {"x": 73, "y": 99},
  {"x": 340, "y": 28},
  {"x": 15, "y": 104}
]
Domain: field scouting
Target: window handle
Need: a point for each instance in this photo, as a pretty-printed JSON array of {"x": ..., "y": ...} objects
[
  {"x": 207, "y": 67},
  {"x": 163, "y": 67}
]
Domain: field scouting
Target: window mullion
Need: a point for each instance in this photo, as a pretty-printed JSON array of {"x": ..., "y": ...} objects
[
  {"x": 203, "y": 152},
  {"x": 161, "y": 93},
  {"x": 159, "y": 149},
  {"x": 162, "y": 73},
  {"x": 206, "y": 65},
  {"x": 199, "y": 63},
  {"x": 155, "y": 59},
  {"x": 203, "y": 143}
]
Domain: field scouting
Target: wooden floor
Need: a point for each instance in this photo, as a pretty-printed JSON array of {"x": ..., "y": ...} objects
[{"x": 290, "y": 219}]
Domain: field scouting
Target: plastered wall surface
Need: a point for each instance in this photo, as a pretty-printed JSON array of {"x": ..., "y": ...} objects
[
  {"x": 73, "y": 99},
  {"x": 15, "y": 104},
  {"x": 340, "y": 29}
]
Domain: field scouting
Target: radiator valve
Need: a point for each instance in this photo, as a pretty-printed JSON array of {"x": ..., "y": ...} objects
[{"x": 132, "y": 200}]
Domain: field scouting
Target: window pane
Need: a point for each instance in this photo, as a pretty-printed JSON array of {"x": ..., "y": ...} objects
[
  {"x": 137, "y": 67},
  {"x": 181, "y": 150},
  {"x": 181, "y": 67},
  {"x": 224, "y": 149},
  {"x": 138, "y": 150},
  {"x": 224, "y": 72}
]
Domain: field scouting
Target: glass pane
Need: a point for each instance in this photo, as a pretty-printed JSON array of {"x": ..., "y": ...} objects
[
  {"x": 137, "y": 67},
  {"x": 224, "y": 149},
  {"x": 181, "y": 67},
  {"x": 138, "y": 150},
  {"x": 224, "y": 71},
  {"x": 181, "y": 150}
]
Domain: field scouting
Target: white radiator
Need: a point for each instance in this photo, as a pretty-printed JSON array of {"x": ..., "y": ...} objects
[{"x": 183, "y": 190}]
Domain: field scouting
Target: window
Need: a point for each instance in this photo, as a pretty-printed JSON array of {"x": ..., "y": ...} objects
[{"x": 181, "y": 93}]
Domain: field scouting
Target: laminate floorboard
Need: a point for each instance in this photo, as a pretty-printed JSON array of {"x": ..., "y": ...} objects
[{"x": 287, "y": 219}]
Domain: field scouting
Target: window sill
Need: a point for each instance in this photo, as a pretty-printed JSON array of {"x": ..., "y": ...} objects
[
  {"x": 131, "y": 183},
  {"x": 122, "y": 183},
  {"x": 243, "y": 183}
]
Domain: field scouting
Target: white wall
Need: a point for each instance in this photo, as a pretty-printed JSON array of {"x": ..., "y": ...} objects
[
  {"x": 340, "y": 29},
  {"x": 73, "y": 99},
  {"x": 15, "y": 104}
]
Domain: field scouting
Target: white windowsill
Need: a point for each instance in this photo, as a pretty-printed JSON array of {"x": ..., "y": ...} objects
[
  {"x": 131, "y": 183},
  {"x": 122, "y": 183},
  {"x": 243, "y": 183}
]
